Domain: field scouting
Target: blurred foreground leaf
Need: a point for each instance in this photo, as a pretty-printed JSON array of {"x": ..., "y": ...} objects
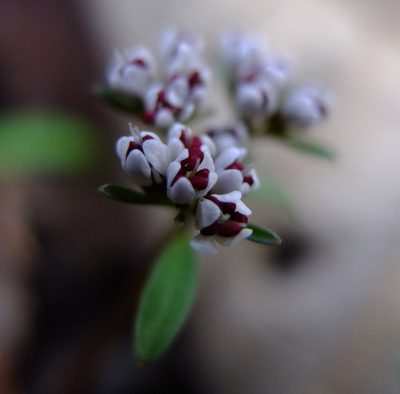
[
  {"x": 308, "y": 147},
  {"x": 119, "y": 100},
  {"x": 263, "y": 235},
  {"x": 42, "y": 142},
  {"x": 123, "y": 194},
  {"x": 166, "y": 299}
]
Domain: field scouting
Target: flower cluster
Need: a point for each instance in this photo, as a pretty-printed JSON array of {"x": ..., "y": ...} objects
[
  {"x": 205, "y": 176},
  {"x": 178, "y": 90},
  {"x": 196, "y": 173},
  {"x": 260, "y": 84}
]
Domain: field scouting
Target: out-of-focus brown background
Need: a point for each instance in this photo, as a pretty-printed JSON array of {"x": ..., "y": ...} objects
[{"x": 319, "y": 315}]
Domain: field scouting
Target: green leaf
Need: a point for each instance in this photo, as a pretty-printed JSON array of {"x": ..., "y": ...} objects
[
  {"x": 308, "y": 147},
  {"x": 44, "y": 142},
  {"x": 119, "y": 100},
  {"x": 123, "y": 194},
  {"x": 166, "y": 299},
  {"x": 263, "y": 235}
]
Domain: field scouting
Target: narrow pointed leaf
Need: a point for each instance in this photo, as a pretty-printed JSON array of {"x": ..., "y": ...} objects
[
  {"x": 123, "y": 194},
  {"x": 166, "y": 299},
  {"x": 263, "y": 235},
  {"x": 119, "y": 100},
  {"x": 308, "y": 147}
]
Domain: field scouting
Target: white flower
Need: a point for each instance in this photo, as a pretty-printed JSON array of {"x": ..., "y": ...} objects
[
  {"x": 181, "y": 137},
  {"x": 166, "y": 105},
  {"x": 277, "y": 71},
  {"x": 132, "y": 71},
  {"x": 172, "y": 39},
  {"x": 233, "y": 174},
  {"x": 228, "y": 137},
  {"x": 305, "y": 106},
  {"x": 222, "y": 219},
  {"x": 256, "y": 98},
  {"x": 192, "y": 174},
  {"x": 143, "y": 157},
  {"x": 241, "y": 53}
]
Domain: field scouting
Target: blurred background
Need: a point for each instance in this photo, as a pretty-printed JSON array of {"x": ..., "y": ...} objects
[{"x": 318, "y": 315}]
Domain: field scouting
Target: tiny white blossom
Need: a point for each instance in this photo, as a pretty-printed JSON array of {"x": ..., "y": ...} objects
[
  {"x": 144, "y": 157},
  {"x": 132, "y": 71},
  {"x": 172, "y": 39},
  {"x": 192, "y": 174},
  {"x": 305, "y": 106},
  {"x": 220, "y": 218},
  {"x": 256, "y": 98},
  {"x": 233, "y": 174},
  {"x": 228, "y": 137},
  {"x": 241, "y": 53}
]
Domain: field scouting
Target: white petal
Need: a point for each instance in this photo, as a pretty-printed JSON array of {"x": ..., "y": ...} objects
[
  {"x": 176, "y": 131},
  {"x": 157, "y": 154},
  {"x": 212, "y": 180},
  {"x": 204, "y": 244},
  {"x": 187, "y": 111},
  {"x": 242, "y": 208},
  {"x": 145, "y": 133},
  {"x": 151, "y": 95},
  {"x": 172, "y": 170},
  {"x": 138, "y": 168},
  {"x": 208, "y": 145},
  {"x": 249, "y": 99},
  {"x": 231, "y": 241},
  {"x": 175, "y": 147},
  {"x": 207, "y": 162},
  {"x": 183, "y": 155},
  {"x": 122, "y": 146},
  {"x": 207, "y": 213},
  {"x": 164, "y": 118},
  {"x": 182, "y": 191},
  {"x": 227, "y": 158},
  {"x": 229, "y": 197},
  {"x": 228, "y": 181}
]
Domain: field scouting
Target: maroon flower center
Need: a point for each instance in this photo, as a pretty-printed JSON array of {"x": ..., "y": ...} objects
[
  {"x": 134, "y": 145},
  {"x": 161, "y": 103},
  {"x": 140, "y": 63},
  {"x": 227, "y": 229}
]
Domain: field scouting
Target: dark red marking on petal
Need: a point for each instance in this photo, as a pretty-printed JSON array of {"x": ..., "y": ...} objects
[
  {"x": 147, "y": 137},
  {"x": 195, "y": 80},
  {"x": 225, "y": 207},
  {"x": 236, "y": 165},
  {"x": 230, "y": 228},
  {"x": 200, "y": 180},
  {"x": 239, "y": 217},
  {"x": 149, "y": 117},
  {"x": 132, "y": 146},
  {"x": 179, "y": 174},
  {"x": 140, "y": 62},
  {"x": 249, "y": 180},
  {"x": 210, "y": 230},
  {"x": 195, "y": 157}
]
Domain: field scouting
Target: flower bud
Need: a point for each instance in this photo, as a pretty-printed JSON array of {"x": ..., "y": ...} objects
[
  {"x": 305, "y": 106},
  {"x": 222, "y": 219},
  {"x": 144, "y": 158},
  {"x": 191, "y": 175},
  {"x": 132, "y": 71},
  {"x": 256, "y": 98},
  {"x": 233, "y": 174},
  {"x": 228, "y": 137}
]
